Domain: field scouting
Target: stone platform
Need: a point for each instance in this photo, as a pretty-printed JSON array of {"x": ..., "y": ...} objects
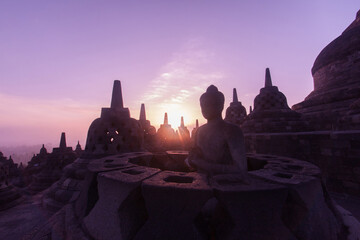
[{"x": 125, "y": 197}]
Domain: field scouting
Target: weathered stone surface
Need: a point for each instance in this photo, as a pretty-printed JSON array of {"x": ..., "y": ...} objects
[
  {"x": 9, "y": 195},
  {"x": 120, "y": 208},
  {"x": 334, "y": 152},
  {"x": 114, "y": 132},
  {"x": 177, "y": 161},
  {"x": 271, "y": 112},
  {"x": 173, "y": 201},
  {"x": 305, "y": 206},
  {"x": 283, "y": 199},
  {"x": 218, "y": 146},
  {"x": 254, "y": 208},
  {"x": 236, "y": 112},
  {"x": 69, "y": 185},
  {"x": 89, "y": 194},
  {"x": 332, "y": 103}
]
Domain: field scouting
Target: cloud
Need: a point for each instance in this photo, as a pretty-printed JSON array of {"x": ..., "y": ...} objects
[
  {"x": 183, "y": 79},
  {"x": 187, "y": 73}
]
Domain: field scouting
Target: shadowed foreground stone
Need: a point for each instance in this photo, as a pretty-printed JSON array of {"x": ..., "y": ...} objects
[
  {"x": 9, "y": 195},
  {"x": 283, "y": 198},
  {"x": 173, "y": 200},
  {"x": 254, "y": 208},
  {"x": 121, "y": 212}
]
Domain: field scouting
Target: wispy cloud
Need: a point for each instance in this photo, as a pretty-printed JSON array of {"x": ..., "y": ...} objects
[
  {"x": 187, "y": 73},
  {"x": 183, "y": 79}
]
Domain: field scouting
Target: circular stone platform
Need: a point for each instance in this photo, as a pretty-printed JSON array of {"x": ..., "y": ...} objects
[{"x": 126, "y": 197}]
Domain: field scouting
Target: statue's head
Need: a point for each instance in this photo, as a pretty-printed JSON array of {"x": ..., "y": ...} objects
[{"x": 212, "y": 103}]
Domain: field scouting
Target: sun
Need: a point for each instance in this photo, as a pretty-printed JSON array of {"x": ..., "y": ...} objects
[
  {"x": 174, "y": 111},
  {"x": 174, "y": 118}
]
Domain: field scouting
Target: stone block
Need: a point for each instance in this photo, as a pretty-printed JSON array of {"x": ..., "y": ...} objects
[
  {"x": 173, "y": 201},
  {"x": 254, "y": 208},
  {"x": 120, "y": 210},
  {"x": 109, "y": 164},
  {"x": 351, "y": 185},
  {"x": 307, "y": 213},
  {"x": 356, "y": 170},
  {"x": 326, "y": 151}
]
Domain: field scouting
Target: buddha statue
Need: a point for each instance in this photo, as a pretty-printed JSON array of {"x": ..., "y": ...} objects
[{"x": 219, "y": 146}]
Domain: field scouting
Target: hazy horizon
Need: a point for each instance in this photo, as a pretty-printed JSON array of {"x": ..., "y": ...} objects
[{"x": 59, "y": 59}]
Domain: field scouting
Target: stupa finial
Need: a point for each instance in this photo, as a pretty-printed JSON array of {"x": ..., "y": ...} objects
[
  {"x": 197, "y": 123},
  {"x": 142, "y": 113},
  {"x": 166, "y": 122},
  {"x": 62, "y": 141},
  {"x": 117, "y": 100},
  {"x": 268, "y": 82},
  {"x": 235, "y": 97},
  {"x": 182, "y": 122}
]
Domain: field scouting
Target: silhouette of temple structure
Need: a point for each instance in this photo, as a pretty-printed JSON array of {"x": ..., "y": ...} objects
[
  {"x": 334, "y": 102},
  {"x": 166, "y": 135},
  {"x": 236, "y": 112},
  {"x": 78, "y": 150},
  {"x": 141, "y": 195},
  {"x": 115, "y": 131},
  {"x": 35, "y": 165},
  {"x": 184, "y": 135},
  {"x": 131, "y": 183},
  {"x": 330, "y": 113},
  {"x": 12, "y": 168},
  {"x": 9, "y": 195},
  {"x": 47, "y": 168},
  {"x": 271, "y": 112},
  {"x": 148, "y": 130}
]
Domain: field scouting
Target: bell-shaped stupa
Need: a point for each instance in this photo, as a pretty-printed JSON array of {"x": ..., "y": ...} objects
[
  {"x": 236, "y": 112},
  {"x": 271, "y": 112},
  {"x": 332, "y": 105},
  {"x": 115, "y": 131}
]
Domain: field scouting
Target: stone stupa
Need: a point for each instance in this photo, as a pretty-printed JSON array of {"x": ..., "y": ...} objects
[
  {"x": 236, "y": 112},
  {"x": 115, "y": 131},
  {"x": 271, "y": 112},
  {"x": 334, "y": 103}
]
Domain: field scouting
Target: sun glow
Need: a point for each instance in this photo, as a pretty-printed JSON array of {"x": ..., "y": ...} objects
[
  {"x": 175, "y": 111},
  {"x": 174, "y": 118}
]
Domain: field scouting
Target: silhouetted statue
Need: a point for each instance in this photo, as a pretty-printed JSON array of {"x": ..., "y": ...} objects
[{"x": 219, "y": 146}]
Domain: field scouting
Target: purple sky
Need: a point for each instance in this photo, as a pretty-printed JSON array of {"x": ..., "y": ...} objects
[{"x": 58, "y": 59}]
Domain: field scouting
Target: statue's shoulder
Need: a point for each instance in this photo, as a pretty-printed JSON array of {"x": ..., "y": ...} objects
[{"x": 201, "y": 129}]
